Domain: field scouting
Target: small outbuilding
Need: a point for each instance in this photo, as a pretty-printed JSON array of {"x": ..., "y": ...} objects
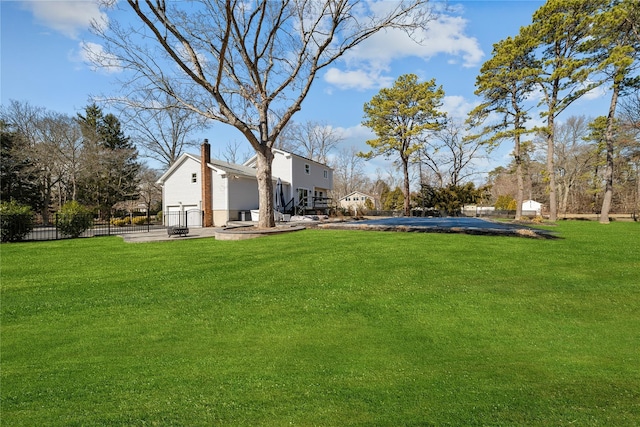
[
  {"x": 355, "y": 200},
  {"x": 531, "y": 208}
]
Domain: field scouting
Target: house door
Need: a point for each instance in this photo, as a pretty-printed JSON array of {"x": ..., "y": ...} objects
[{"x": 303, "y": 197}]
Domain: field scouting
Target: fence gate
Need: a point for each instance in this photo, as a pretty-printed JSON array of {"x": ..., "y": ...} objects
[{"x": 183, "y": 218}]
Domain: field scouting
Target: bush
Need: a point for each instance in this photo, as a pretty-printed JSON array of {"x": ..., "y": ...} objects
[
  {"x": 73, "y": 219},
  {"x": 16, "y": 221},
  {"x": 139, "y": 220},
  {"x": 118, "y": 222}
]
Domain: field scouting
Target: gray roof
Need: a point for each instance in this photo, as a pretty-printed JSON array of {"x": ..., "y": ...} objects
[{"x": 233, "y": 169}]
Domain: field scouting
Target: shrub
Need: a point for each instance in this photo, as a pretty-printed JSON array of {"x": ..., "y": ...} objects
[
  {"x": 139, "y": 220},
  {"x": 118, "y": 222},
  {"x": 74, "y": 219},
  {"x": 16, "y": 221},
  {"x": 538, "y": 220},
  {"x": 506, "y": 202}
]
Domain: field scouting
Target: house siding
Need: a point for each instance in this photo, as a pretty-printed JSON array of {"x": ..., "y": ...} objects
[
  {"x": 178, "y": 188},
  {"x": 245, "y": 194},
  {"x": 313, "y": 181},
  {"x": 355, "y": 200}
]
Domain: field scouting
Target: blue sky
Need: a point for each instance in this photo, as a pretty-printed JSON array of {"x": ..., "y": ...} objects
[{"x": 42, "y": 62}]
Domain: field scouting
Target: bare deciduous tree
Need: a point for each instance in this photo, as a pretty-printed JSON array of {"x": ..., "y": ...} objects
[
  {"x": 348, "y": 173},
  {"x": 161, "y": 128},
  {"x": 575, "y": 158},
  {"x": 150, "y": 191},
  {"x": 232, "y": 152},
  {"x": 50, "y": 146},
  {"x": 311, "y": 139},
  {"x": 246, "y": 64},
  {"x": 449, "y": 155}
]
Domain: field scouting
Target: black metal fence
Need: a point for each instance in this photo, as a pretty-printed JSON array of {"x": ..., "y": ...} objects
[
  {"x": 186, "y": 218},
  {"x": 56, "y": 230}
]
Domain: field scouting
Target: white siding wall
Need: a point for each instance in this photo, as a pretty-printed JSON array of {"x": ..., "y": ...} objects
[
  {"x": 178, "y": 187},
  {"x": 244, "y": 194},
  {"x": 355, "y": 200},
  {"x": 219, "y": 188},
  {"x": 312, "y": 181},
  {"x": 281, "y": 167}
]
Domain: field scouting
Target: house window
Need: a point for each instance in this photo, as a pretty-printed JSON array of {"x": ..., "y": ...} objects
[
  {"x": 326, "y": 174},
  {"x": 194, "y": 177},
  {"x": 307, "y": 169}
]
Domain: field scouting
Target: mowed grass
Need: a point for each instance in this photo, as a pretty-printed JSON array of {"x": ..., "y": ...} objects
[{"x": 325, "y": 328}]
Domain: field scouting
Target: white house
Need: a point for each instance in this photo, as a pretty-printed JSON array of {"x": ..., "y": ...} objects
[
  {"x": 212, "y": 192},
  {"x": 355, "y": 200},
  {"x": 531, "y": 207}
]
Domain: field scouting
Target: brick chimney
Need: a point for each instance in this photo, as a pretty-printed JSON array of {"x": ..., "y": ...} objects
[{"x": 207, "y": 208}]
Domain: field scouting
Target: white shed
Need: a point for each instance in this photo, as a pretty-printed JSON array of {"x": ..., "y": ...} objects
[{"x": 531, "y": 207}]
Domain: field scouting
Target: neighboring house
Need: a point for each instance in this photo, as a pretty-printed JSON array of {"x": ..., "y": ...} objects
[
  {"x": 531, "y": 207},
  {"x": 355, "y": 200},
  {"x": 213, "y": 192}
]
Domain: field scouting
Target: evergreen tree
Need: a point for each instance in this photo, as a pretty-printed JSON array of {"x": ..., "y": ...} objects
[
  {"x": 401, "y": 116},
  {"x": 504, "y": 82},
  {"x": 617, "y": 45},
  {"x": 560, "y": 31},
  {"x": 111, "y": 159}
]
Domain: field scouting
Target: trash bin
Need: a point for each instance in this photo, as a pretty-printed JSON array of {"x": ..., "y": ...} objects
[{"x": 243, "y": 215}]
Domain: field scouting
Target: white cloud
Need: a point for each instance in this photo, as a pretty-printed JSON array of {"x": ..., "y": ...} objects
[
  {"x": 443, "y": 36},
  {"x": 67, "y": 17},
  {"x": 595, "y": 93},
  {"x": 457, "y": 106},
  {"x": 94, "y": 54},
  {"x": 356, "y": 79},
  {"x": 367, "y": 62},
  {"x": 357, "y": 133}
]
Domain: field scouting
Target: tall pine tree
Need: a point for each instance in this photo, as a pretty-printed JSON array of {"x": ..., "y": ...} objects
[{"x": 111, "y": 159}]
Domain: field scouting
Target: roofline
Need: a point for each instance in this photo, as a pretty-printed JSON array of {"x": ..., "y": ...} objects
[
  {"x": 176, "y": 165},
  {"x": 354, "y": 192},
  {"x": 287, "y": 153}
]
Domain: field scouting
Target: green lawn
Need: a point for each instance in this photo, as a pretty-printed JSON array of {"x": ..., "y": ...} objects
[{"x": 325, "y": 328}]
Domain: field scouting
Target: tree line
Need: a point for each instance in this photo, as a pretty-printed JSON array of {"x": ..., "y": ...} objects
[
  {"x": 49, "y": 159},
  {"x": 232, "y": 70},
  {"x": 571, "y": 48}
]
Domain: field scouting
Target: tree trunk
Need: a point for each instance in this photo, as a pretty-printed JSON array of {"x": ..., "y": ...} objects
[
  {"x": 608, "y": 171},
  {"x": 407, "y": 194},
  {"x": 551, "y": 170},
  {"x": 564, "y": 202},
  {"x": 265, "y": 187},
  {"x": 519, "y": 176},
  {"x": 636, "y": 205}
]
